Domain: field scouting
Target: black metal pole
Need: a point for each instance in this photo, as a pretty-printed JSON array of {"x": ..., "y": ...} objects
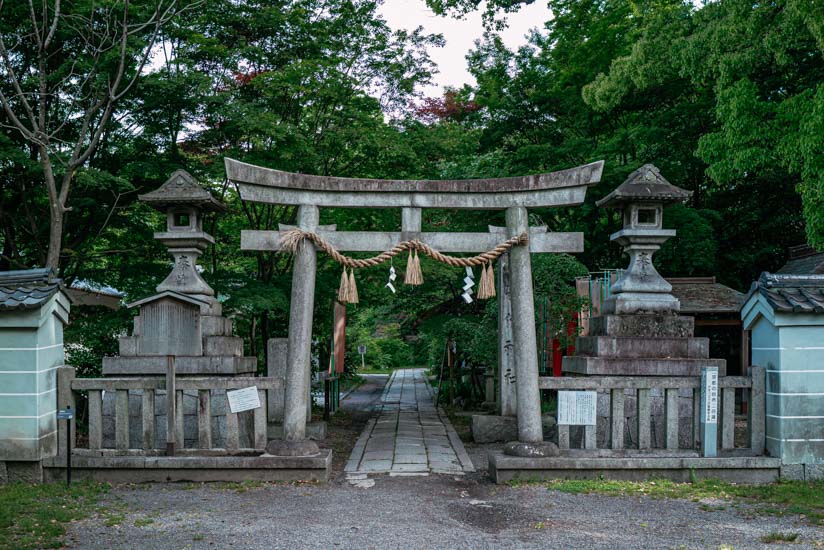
[{"x": 68, "y": 449}]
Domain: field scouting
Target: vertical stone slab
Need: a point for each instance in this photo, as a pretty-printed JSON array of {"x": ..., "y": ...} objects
[
  {"x": 148, "y": 413},
  {"x": 276, "y": 367},
  {"x": 728, "y": 418},
  {"x": 590, "y": 435},
  {"x": 530, "y": 429},
  {"x": 757, "y": 413},
  {"x": 506, "y": 353},
  {"x": 300, "y": 330},
  {"x": 232, "y": 431},
  {"x": 121, "y": 419},
  {"x": 671, "y": 418},
  {"x": 644, "y": 417},
  {"x": 617, "y": 419},
  {"x": 95, "y": 419},
  {"x": 179, "y": 413},
  {"x": 171, "y": 407},
  {"x": 204, "y": 419},
  {"x": 260, "y": 422},
  {"x": 563, "y": 436}
]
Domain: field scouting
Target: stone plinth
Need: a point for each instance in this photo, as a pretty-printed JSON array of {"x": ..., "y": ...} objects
[{"x": 641, "y": 345}]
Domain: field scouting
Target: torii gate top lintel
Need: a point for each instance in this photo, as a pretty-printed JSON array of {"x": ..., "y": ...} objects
[{"x": 564, "y": 187}]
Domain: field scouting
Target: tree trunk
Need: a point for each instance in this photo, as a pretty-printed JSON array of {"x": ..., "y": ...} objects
[{"x": 56, "y": 212}]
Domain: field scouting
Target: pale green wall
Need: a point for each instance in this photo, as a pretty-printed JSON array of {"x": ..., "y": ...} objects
[
  {"x": 791, "y": 346},
  {"x": 31, "y": 347}
]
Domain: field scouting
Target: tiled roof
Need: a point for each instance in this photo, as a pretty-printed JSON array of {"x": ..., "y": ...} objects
[
  {"x": 809, "y": 264},
  {"x": 791, "y": 293},
  {"x": 704, "y": 295},
  {"x": 27, "y": 289},
  {"x": 645, "y": 185}
]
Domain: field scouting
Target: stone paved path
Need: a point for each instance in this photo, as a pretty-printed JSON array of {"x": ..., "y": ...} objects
[{"x": 408, "y": 435}]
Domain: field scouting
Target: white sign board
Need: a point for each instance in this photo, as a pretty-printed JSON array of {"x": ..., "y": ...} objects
[
  {"x": 577, "y": 408},
  {"x": 711, "y": 403},
  {"x": 244, "y": 399}
]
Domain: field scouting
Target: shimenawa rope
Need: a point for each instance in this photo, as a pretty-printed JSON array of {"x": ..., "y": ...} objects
[{"x": 348, "y": 291}]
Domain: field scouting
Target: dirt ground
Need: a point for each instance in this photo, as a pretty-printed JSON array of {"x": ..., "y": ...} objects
[{"x": 436, "y": 511}]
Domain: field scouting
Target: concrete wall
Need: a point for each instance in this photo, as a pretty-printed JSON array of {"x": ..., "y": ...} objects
[
  {"x": 791, "y": 347},
  {"x": 31, "y": 349}
]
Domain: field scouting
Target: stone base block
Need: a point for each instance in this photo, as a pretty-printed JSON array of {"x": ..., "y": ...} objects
[
  {"x": 642, "y": 326},
  {"x": 140, "y": 469},
  {"x": 12, "y": 471},
  {"x": 504, "y": 468},
  {"x": 802, "y": 472},
  {"x": 641, "y": 303},
  {"x": 632, "y": 347},
  {"x": 156, "y": 366},
  {"x": 223, "y": 345},
  {"x": 314, "y": 430},
  {"x": 607, "y": 366},
  {"x": 488, "y": 428}
]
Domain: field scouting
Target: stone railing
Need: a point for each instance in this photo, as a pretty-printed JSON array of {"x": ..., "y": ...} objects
[
  {"x": 616, "y": 391},
  {"x": 240, "y": 432}
]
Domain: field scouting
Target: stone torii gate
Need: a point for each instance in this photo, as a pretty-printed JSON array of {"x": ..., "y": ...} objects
[{"x": 515, "y": 195}]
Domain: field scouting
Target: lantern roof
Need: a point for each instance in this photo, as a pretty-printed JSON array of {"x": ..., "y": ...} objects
[
  {"x": 181, "y": 189},
  {"x": 644, "y": 185}
]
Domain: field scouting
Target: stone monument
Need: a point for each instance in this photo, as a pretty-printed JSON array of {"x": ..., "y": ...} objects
[
  {"x": 640, "y": 331},
  {"x": 184, "y": 319}
]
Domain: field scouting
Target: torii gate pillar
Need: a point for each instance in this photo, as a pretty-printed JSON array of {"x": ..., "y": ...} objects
[
  {"x": 298, "y": 355},
  {"x": 523, "y": 332}
]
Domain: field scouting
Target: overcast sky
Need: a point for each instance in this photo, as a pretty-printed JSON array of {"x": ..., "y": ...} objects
[{"x": 460, "y": 35}]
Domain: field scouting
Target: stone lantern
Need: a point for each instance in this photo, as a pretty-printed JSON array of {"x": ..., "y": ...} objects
[
  {"x": 642, "y": 197},
  {"x": 184, "y": 202},
  {"x": 184, "y": 319}
]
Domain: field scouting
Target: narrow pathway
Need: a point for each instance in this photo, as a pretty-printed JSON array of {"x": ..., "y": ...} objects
[{"x": 408, "y": 436}]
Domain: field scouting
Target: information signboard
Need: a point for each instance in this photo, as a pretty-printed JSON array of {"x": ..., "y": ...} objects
[
  {"x": 577, "y": 408},
  {"x": 244, "y": 399}
]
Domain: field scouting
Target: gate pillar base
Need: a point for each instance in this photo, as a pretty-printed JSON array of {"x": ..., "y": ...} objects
[{"x": 301, "y": 447}]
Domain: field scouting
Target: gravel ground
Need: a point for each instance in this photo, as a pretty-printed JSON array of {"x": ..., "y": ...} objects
[
  {"x": 420, "y": 512},
  {"x": 438, "y": 511}
]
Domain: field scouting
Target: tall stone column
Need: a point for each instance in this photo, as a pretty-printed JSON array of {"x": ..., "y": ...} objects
[
  {"x": 300, "y": 341},
  {"x": 523, "y": 331},
  {"x": 506, "y": 351}
]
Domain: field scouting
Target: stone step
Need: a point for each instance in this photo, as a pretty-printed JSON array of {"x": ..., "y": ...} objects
[
  {"x": 642, "y": 326},
  {"x": 635, "y": 347},
  {"x": 606, "y": 366}
]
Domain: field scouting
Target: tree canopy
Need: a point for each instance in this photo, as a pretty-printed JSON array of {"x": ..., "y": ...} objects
[{"x": 726, "y": 98}]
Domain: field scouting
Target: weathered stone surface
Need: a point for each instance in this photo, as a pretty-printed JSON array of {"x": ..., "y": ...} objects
[
  {"x": 613, "y": 366},
  {"x": 314, "y": 430},
  {"x": 793, "y": 472},
  {"x": 488, "y": 428},
  {"x": 643, "y": 326},
  {"x": 119, "y": 366},
  {"x": 642, "y": 347},
  {"x": 223, "y": 345},
  {"x": 531, "y": 450},
  {"x": 504, "y": 468},
  {"x": 128, "y": 346},
  {"x": 213, "y": 325},
  {"x": 300, "y": 447}
]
